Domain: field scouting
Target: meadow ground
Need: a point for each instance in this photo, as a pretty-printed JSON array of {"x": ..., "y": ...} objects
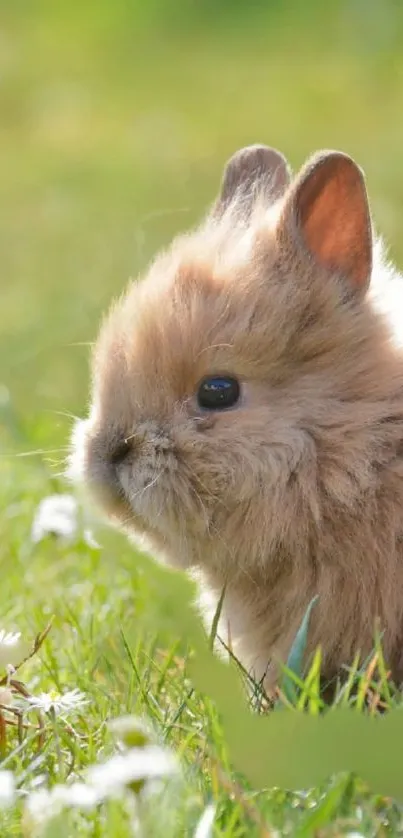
[{"x": 115, "y": 124}]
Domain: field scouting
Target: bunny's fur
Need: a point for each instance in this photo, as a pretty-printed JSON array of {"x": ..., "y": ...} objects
[{"x": 296, "y": 491}]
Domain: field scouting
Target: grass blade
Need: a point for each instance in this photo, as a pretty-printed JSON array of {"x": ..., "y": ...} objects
[{"x": 296, "y": 656}]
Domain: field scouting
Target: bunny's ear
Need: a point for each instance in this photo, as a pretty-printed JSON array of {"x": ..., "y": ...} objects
[
  {"x": 256, "y": 168},
  {"x": 327, "y": 207}
]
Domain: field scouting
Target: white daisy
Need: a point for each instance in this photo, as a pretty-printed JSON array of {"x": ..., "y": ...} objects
[
  {"x": 69, "y": 702},
  {"x": 39, "y": 808},
  {"x": 7, "y": 788},
  {"x": 133, "y": 766},
  {"x": 131, "y": 732},
  {"x": 13, "y": 649},
  {"x": 80, "y": 795},
  {"x": 56, "y": 515},
  {"x": 45, "y": 804}
]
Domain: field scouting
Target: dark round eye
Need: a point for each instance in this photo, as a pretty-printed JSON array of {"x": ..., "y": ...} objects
[{"x": 217, "y": 392}]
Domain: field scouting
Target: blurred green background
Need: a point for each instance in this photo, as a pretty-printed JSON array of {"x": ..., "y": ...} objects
[{"x": 116, "y": 118}]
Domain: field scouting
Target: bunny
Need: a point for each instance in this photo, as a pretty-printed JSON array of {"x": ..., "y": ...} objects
[{"x": 246, "y": 421}]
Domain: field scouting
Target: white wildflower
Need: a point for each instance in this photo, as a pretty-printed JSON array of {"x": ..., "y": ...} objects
[
  {"x": 44, "y": 804},
  {"x": 204, "y": 828},
  {"x": 132, "y": 766},
  {"x": 56, "y": 515},
  {"x": 7, "y": 788},
  {"x": 107, "y": 780},
  {"x": 13, "y": 650},
  {"x": 53, "y": 702},
  {"x": 40, "y": 807},
  {"x": 131, "y": 732},
  {"x": 80, "y": 795}
]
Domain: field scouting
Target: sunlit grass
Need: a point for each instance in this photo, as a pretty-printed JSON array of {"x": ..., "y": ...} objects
[{"x": 99, "y": 645}]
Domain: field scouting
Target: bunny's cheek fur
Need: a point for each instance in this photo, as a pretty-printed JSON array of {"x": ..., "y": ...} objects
[
  {"x": 189, "y": 492},
  {"x": 199, "y": 498}
]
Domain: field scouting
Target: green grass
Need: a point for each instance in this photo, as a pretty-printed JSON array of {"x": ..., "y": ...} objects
[{"x": 116, "y": 121}]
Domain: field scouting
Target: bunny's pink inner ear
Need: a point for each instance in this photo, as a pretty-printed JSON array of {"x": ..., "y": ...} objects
[
  {"x": 252, "y": 170},
  {"x": 330, "y": 208}
]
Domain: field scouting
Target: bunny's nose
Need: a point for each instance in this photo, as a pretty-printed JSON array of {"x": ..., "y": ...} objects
[
  {"x": 120, "y": 451},
  {"x": 103, "y": 458}
]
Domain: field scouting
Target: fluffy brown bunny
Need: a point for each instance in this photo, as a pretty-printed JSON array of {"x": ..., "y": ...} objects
[{"x": 247, "y": 413}]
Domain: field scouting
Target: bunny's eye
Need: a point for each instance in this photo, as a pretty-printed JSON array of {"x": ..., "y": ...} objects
[{"x": 217, "y": 392}]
